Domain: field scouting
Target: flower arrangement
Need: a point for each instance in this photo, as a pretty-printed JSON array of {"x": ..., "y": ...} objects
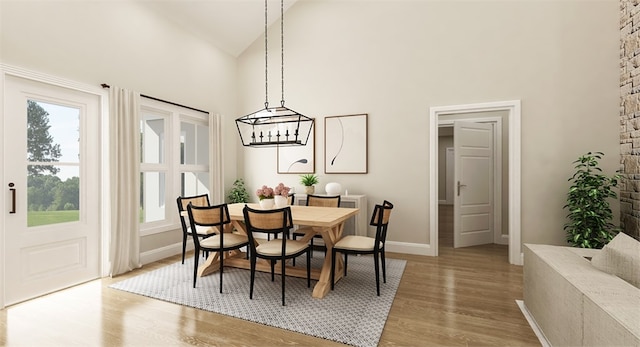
[
  {"x": 282, "y": 190},
  {"x": 264, "y": 193}
]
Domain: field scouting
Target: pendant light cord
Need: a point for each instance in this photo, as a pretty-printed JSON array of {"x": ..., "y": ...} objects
[
  {"x": 266, "y": 56},
  {"x": 282, "y": 50},
  {"x": 266, "y": 60}
]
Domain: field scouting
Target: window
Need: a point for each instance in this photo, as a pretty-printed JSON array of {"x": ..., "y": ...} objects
[
  {"x": 174, "y": 157},
  {"x": 53, "y": 156},
  {"x": 194, "y": 158}
]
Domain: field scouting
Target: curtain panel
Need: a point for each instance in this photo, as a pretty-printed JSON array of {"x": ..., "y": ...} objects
[
  {"x": 217, "y": 193},
  {"x": 124, "y": 159}
]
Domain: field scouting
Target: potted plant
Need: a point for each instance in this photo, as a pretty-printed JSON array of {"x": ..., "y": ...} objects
[
  {"x": 238, "y": 193},
  {"x": 308, "y": 181},
  {"x": 589, "y": 215}
]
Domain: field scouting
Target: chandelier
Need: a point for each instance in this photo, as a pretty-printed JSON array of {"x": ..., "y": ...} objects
[{"x": 274, "y": 126}]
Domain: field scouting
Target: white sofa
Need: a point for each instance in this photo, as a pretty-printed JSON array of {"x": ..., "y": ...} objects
[{"x": 575, "y": 303}]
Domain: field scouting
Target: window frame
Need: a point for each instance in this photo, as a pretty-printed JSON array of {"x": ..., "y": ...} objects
[{"x": 174, "y": 115}]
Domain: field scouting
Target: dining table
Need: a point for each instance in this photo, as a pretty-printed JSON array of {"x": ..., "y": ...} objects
[{"x": 325, "y": 221}]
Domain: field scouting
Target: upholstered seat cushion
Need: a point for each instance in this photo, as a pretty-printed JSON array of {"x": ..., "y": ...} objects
[
  {"x": 200, "y": 230},
  {"x": 620, "y": 257},
  {"x": 230, "y": 240},
  {"x": 274, "y": 247},
  {"x": 356, "y": 243},
  {"x": 203, "y": 230}
]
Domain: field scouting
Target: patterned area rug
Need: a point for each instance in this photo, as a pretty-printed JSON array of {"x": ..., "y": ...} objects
[{"x": 351, "y": 314}]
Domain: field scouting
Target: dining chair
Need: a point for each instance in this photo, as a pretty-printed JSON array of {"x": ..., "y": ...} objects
[
  {"x": 291, "y": 199},
  {"x": 352, "y": 244},
  {"x": 320, "y": 201},
  {"x": 216, "y": 218},
  {"x": 183, "y": 202},
  {"x": 274, "y": 222}
]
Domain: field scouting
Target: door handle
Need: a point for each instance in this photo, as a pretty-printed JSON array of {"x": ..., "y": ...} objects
[
  {"x": 13, "y": 198},
  {"x": 460, "y": 186}
]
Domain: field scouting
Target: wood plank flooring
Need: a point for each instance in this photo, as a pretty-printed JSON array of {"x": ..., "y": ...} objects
[{"x": 464, "y": 297}]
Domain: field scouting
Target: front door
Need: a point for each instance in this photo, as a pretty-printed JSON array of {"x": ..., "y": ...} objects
[
  {"x": 473, "y": 200},
  {"x": 51, "y": 160}
]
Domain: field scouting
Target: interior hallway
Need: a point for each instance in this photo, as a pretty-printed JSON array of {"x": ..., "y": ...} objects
[{"x": 445, "y": 239}]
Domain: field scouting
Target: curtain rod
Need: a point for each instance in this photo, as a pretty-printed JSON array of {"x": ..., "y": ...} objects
[{"x": 104, "y": 85}]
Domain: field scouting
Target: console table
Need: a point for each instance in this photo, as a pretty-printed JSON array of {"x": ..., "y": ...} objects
[{"x": 356, "y": 225}]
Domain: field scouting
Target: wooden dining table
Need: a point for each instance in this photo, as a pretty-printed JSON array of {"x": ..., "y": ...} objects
[{"x": 325, "y": 221}]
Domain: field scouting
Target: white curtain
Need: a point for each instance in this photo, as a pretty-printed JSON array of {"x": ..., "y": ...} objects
[
  {"x": 217, "y": 193},
  {"x": 124, "y": 161}
]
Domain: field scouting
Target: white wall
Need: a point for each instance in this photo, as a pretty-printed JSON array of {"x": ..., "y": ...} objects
[
  {"x": 122, "y": 43},
  {"x": 395, "y": 59},
  {"x": 390, "y": 59}
]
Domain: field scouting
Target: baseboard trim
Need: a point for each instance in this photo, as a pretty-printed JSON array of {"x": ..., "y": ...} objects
[
  {"x": 409, "y": 248},
  {"x": 153, "y": 255},
  {"x": 534, "y": 325},
  {"x": 502, "y": 239}
]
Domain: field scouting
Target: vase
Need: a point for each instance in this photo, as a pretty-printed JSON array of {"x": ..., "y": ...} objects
[
  {"x": 309, "y": 189},
  {"x": 266, "y": 204},
  {"x": 333, "y": 188},
  {"x": 281, "y": 201}
]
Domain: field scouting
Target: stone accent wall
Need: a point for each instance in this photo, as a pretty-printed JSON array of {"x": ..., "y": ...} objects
[{"x": 630, "y": 117}]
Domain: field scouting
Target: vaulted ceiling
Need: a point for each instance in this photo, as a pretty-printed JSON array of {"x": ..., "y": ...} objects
[{"x": 231, "y": 25}]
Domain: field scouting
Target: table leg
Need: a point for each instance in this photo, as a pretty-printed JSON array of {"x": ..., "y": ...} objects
[
  {"x": 330, "y": 237},
  {"x": 212, "y": 264}
]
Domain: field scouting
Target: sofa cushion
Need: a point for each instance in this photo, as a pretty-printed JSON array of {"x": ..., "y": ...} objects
[{"x": 620, "y": 257}]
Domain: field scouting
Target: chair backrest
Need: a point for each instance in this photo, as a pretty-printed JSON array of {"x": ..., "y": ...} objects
[
  {"x": 184, "y": 201},
  {"x": 323, "y": 201},
  {"x": 291, "y": 199},
  {"x": 274, "y": 222},
  {"x": 215, "y": 217},
  {"x": 380, "y": 219}
]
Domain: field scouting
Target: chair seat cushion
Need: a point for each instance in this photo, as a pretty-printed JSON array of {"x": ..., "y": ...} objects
[
  {"x": 356, "y": 243},
  {"x": 202, "y": 230},
  {"x": 274, "y": 247},
  {"x": 230, "y": 240}
]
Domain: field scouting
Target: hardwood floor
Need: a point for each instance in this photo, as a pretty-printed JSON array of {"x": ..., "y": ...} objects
[{"x": 464, "y": 297}]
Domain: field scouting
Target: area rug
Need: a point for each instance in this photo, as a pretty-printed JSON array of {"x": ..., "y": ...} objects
[{"x": 351, "y": 314}]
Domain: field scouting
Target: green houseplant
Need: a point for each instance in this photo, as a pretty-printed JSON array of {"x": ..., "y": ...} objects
[
  {"x": 308, "y": 181},
  {"x": 589, "y": 215},
  {"x": 238, "y": 193}
]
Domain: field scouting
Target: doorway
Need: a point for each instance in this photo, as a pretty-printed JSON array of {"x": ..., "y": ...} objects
[
  {"x": 51, "y": 174},
  {"x": 474, "y": 183},
  {"x": 512, "y": 108}
]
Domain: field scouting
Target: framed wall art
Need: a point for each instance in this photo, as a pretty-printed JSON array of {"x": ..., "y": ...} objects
[
  {"x": 298, "y": 159},
  {"x": 345, "y": 144}
]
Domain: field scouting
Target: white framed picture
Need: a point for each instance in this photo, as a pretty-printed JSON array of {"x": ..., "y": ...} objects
[
  {"x": 298, "y": 159},
  {"x": 345, "y": 144}
]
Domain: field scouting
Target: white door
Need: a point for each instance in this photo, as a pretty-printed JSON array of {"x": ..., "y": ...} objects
[
  {"x": 449, "y": 176},
  {"x": 51, "y": 160},
  {"x": 473, "y": 207}
]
